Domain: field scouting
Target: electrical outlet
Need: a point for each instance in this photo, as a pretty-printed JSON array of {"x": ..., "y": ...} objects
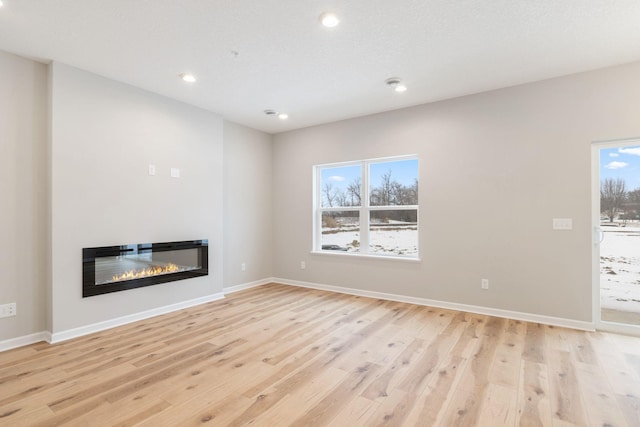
[
  {"x": 8, "y": 310},
  {"x": 303, "y": 265},
  {"x": 484, "y": 283},
  {"x": 243, "y": 266}
]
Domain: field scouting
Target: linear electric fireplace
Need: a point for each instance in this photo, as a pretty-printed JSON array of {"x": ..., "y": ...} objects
[{"x": 118, "y": 268}]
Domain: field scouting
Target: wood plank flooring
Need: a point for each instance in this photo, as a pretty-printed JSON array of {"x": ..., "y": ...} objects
[{"x": 283, "y": 356}]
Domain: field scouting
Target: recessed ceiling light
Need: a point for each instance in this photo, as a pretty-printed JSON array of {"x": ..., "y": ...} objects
[
  {"x": 329, "y": 19},
  {"x": 281, "y": 116},
  {"x": 396, "y": 84},
  {"x": 187, "y": 77}
]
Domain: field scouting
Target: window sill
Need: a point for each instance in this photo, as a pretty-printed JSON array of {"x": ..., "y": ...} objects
[{"x": 367, "y": 256}]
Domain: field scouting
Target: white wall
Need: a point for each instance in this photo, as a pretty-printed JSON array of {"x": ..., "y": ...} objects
[
  {"x": 495, "y": 168},
  {"x": 248, "y": 234},
  {"x": 23, "y": 144},
  {"x": 88, "y": 185},
  {"x": 104, "y": 136}
]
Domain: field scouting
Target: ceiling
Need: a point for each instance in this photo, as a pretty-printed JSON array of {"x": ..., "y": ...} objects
[{"x": 252, "y": 55}]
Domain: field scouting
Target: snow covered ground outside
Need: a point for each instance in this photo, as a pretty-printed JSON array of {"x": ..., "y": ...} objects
[
  {"x": 620, "y": 268},
  {"x": 619, "y": 256},
  {"x": 397, "y": 240}
]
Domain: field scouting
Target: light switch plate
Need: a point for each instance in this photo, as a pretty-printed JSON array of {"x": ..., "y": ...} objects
[
  {"x": 562, "y": 224},
  {"x": 175, "y": 173},
  {"x": 152, "y": 170}
]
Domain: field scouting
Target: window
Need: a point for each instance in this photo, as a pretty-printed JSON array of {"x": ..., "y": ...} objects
[{"x": 382, "y": 221}]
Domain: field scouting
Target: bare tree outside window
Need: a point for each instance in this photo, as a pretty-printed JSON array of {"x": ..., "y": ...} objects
[
  {"x": 381, "y": 219},
  {"x": 329, "y": 194},
  {"x": 612, "y": 196},
  {"x": 631, "y": 205},
  {"x": 353, "y": 190}
]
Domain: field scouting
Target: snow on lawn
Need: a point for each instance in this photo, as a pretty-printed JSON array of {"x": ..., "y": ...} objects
[
  {"x": 401, "y": 241},
  {"x": 620, "y": 268},
  {"x": 619, "y": 257}
]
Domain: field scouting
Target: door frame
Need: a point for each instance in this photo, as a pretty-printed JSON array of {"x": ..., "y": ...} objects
[{"x": 596, "y": 146}]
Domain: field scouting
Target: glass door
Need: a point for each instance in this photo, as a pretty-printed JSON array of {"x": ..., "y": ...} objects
[{"x": 617, "y": 235}]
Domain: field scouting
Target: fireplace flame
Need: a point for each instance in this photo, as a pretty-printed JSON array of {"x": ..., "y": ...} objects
[{"x": 146, "y": 272}]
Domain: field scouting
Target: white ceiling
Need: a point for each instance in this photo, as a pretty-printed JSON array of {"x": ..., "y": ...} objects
[{"x": 288, "y": 62}]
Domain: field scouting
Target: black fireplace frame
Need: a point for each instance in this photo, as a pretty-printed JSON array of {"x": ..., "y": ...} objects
[{"x": 89, "y": 255}]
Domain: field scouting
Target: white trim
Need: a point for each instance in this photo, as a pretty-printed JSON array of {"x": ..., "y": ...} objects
[
  {"x": 24, "y": 340},
  {"x": 596, "y": 230},
  {"x": 96, "y": 327},
  {"x": 100, "y": 326},
  {"x": 374, "y": 160},
  {"x": 364, "y": 209},
  {"x": 515, "y": 315},
  {"x": 380, "y": 257},
  {"x": 619, "y": 328},
  {"x": 611, "y": 143},
  {"x": 249, "y": 285},
  {"x": 119, "y": 321},
  {"x": 600, "y": 324}
]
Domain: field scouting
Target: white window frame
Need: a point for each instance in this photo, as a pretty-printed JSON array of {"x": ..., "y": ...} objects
[{"x": 364, "y": 209}]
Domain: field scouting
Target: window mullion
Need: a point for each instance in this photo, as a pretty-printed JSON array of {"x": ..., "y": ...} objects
[
  {"x": 317, "y": 236},
  {"x": 394, "y": 208},
  {"x": 364, "y": 210}
]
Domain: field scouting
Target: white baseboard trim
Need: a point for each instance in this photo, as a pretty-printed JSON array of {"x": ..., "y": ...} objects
[
  {"x": 619, "y": 328},
  {"x": 515, "y": 315},
  {"x": 100, "y": 326},
  {"x": 57, "y": 337},
  {"x": 24, "y": 340},
  {"x": 249, "y": 285}
]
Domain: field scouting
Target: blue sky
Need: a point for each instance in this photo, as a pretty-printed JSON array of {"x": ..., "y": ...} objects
[
  {"x": 403, "y": 171},
  {"x": 621, "y": 162}
]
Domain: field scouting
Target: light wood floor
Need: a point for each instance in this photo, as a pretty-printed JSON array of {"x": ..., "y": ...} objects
[{"x": 279, "y": 355}]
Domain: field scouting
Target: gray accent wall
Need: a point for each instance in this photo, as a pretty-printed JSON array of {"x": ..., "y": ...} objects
[
  {"x": 104, "y": 135},
  {"x": 248, "y": 194},
  {"x": 75, "y": 150},
  {"x": 495, "y": 168},
  {"x": 23, "y": 190}
]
